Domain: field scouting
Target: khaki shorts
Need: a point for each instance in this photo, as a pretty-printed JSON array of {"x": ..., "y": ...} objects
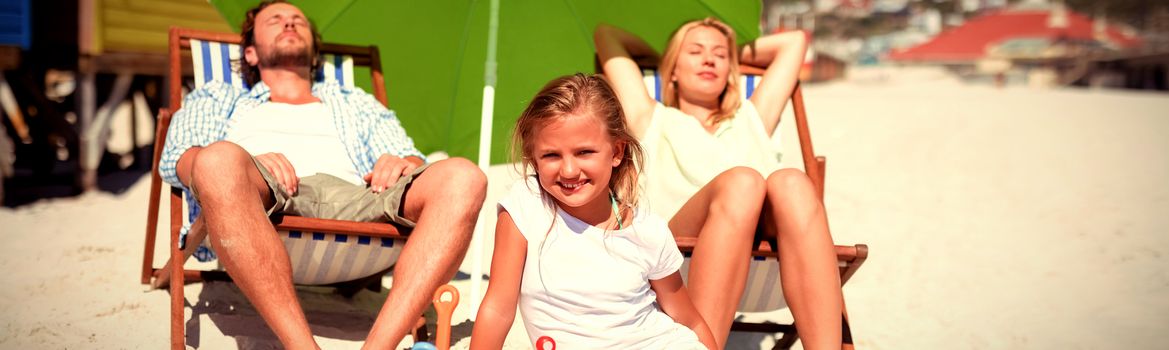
[{"x": 326, "y": 196}]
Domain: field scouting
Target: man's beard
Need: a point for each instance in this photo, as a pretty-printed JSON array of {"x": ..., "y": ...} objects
[{"x": 286, "y": 58}]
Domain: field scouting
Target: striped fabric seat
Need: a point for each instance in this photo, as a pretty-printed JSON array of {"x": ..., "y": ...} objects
[
  {"x": 323, "y": 258},
  {"x": 215, "y": 61},
  {"x": 762, "y": 292},
  {"x": 317, "y": 257},
  {"x": 653, "y": 83}
]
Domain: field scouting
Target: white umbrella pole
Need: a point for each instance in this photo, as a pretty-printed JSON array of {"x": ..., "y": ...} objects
[{"x": 485, "y": 120}]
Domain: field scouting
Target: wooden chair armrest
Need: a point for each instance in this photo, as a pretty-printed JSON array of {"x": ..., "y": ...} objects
[
  {"x": 860, "y": 253},
  {"x": 751, "y": 70},
  {"x": 374, "y": 229},
  {"x": 850, "y": 254}
]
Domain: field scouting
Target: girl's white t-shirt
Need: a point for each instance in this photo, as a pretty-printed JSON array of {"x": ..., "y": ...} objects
[{"x": 587, "y": 288}]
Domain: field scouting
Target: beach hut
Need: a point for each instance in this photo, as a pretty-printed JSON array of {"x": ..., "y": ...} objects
[{"x": 127, "y": 39}]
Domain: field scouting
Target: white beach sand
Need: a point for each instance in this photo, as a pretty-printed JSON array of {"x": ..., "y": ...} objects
[{"x": 997, "y": 218}]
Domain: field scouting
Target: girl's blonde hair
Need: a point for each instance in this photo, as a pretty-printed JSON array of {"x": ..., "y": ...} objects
[
  {"x": 729, "y": 100},
  {"x": 581, "y": 94}
]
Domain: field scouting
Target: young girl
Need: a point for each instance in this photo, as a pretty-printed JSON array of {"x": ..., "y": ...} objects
[
  {"x": 713, "y": 171},
  {"x": 587, "y": 267}
]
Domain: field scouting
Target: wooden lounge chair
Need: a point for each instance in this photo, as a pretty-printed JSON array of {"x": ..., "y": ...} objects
[
  {"x": 761, "y": 292},
  {"x": 322, "y": 251}
]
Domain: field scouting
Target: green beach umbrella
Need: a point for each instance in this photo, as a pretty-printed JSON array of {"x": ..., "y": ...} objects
[{"x": 435, "y": 54}]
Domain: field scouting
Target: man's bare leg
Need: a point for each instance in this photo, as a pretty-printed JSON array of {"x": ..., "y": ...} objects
[
  {"x": 233, "y": 195},
  {"x": 444, "y": 202}
]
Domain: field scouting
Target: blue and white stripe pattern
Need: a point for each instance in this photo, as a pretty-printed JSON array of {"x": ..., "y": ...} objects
[
  {"x": 337, "y": 68},
  {"x": 324, "y": 258},
  {"x": 653, "y": 83},
  {"x": 213, "y": 61},
  {"x": 366, "y": 127},
  {"x": 320, "y": 257},
  {"x": 216, "y": 61}
]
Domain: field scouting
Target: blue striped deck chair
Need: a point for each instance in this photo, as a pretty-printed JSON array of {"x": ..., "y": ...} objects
[
  {"x": 322, "y": 252},
  {"x": 762, "y": 292},
  {"x": 319, "y": 257}
]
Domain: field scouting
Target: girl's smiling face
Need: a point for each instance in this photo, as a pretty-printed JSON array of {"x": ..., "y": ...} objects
[{"x": 574, "y": 160}]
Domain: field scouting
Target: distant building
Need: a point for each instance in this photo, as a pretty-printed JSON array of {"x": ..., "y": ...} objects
[
  {"x": 854, "y": 8},
  {"x": 1025, "y": 32},
  {"x": 845, "y": 8},
  {"x": 1033, "y": 42}
]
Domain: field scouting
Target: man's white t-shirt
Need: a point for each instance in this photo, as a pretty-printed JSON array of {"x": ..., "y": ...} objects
[
  {"x": 305, "y": 134},
  {"x": 589, "y": 289}
]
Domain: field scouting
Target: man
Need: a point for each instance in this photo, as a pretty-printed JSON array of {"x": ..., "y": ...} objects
[{"x": 287, "y": 145}]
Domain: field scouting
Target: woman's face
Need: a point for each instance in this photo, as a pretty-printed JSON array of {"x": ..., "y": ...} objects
[
  {"x": 703, "y": 65},
  {"x": 574, "y": 159}
]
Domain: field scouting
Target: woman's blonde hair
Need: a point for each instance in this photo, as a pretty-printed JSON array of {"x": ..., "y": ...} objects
[
  {"x": 581, "y": 94},
  {"x": 729, "y": 100}
]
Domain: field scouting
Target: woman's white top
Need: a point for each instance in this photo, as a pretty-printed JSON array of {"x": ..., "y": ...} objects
[
  {"x": 587, "y": 288},
  {"x": 681, "y": 156}
]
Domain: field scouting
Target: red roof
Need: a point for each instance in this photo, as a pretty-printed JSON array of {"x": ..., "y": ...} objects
[
  {"x": 865, "y": 5},
  {"x": 971, "y": 40}
]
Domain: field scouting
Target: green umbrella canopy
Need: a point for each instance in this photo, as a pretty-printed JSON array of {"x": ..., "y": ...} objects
[{"x": 434, "y": 52}]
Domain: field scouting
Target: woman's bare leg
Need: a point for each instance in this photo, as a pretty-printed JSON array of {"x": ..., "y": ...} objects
[
  {"x": 723, "y": 215},
  {"x": 794, "y": 215}
]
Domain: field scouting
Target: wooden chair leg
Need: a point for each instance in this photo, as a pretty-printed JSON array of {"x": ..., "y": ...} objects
[
  {"x": 789, "y": 338},
  {"x": 178, "y": 338},
  {"x": 845, "y": 329},
  {"x": 372, "y": 283},
  {"x": 152, "y": 210},
  {"x": 151, "y": 229},
  {"x": 420, "y": 332},
  {"x": 787, "y": 341},
  {"x": 821, "y": 163}
]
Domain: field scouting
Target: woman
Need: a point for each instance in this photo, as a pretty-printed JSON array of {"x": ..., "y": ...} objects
[{"x": 712, "y": 169}]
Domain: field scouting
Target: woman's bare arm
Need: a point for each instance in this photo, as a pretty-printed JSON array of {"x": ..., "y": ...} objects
[
  {"x": 618, "y": 52},
  {"x": 782, "y": 54}
]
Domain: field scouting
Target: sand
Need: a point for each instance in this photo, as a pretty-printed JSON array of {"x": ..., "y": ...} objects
[{"x": 1010, "y": 218}]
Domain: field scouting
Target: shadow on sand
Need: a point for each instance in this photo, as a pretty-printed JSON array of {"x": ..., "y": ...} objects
[{"x": 329, "y": 314}]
